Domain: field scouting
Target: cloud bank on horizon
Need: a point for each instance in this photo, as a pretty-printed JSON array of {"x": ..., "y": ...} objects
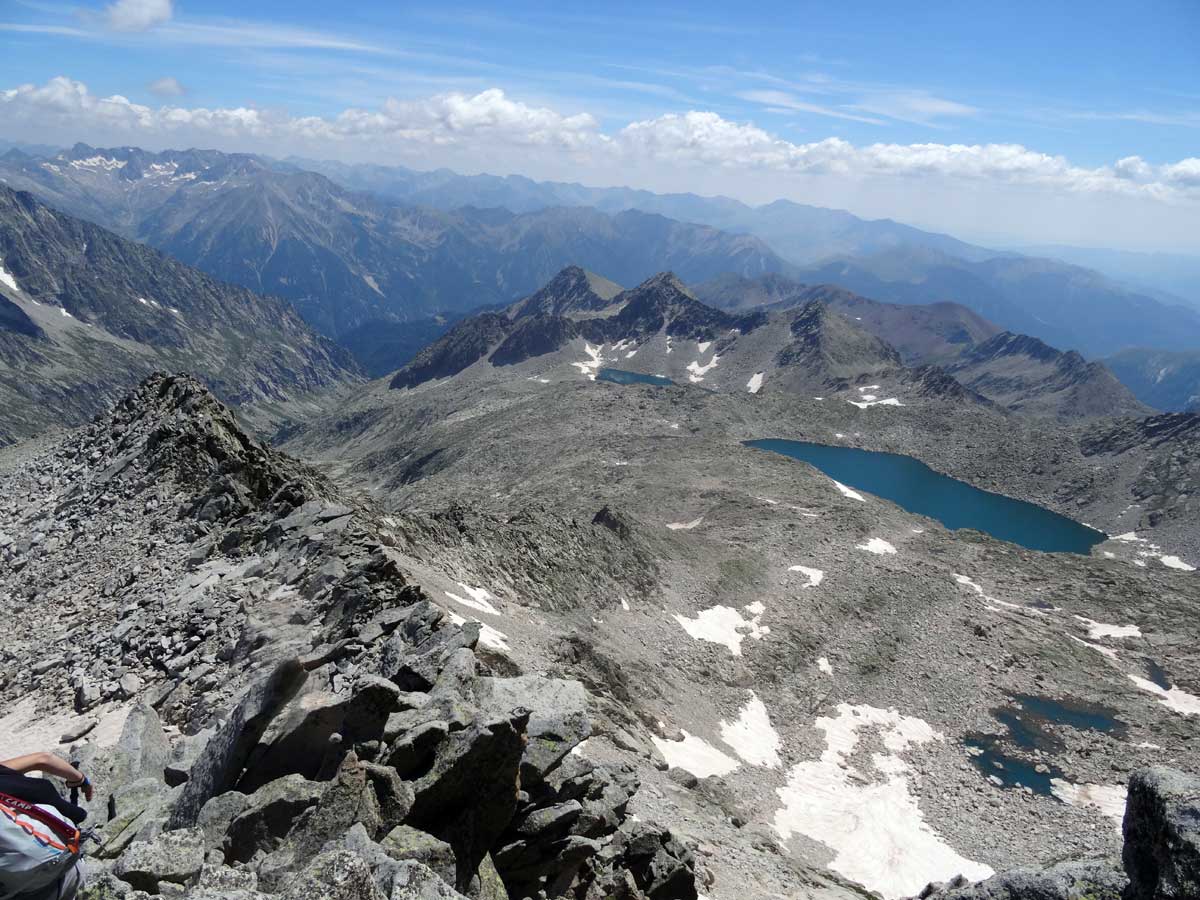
[{"x": 716, "y": 142}]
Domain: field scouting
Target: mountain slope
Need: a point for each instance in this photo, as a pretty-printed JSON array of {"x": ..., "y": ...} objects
[
  {"x": 85, "y": 314},
  {"x": 1028, "y": 375},
  {"x": 1163, "y": 379},
  {"x": 923, "y": 334},
  {"x": 345, "y": 258},
  {"x": 1063, "y": 304}
]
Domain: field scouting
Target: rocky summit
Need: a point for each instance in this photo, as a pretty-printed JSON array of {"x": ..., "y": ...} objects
[{"x": 266, "y": 700}]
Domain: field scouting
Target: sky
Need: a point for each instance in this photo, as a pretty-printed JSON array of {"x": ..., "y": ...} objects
[{"x": 1047, "y": 122}]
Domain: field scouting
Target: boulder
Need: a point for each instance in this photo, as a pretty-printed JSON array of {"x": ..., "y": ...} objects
[
  {"x": 269, "y": 815},
  {"x": 1162, "y": 835},
  {"x": 217, "y": 814},
  {"x": 334, "y": 875},
  {"x": 558, "y": 717},
  {"x": 174, "y": 856},
  {"x": 407, "y": 843},
  {"x": 225, "y": 754},
  {"x": 1074, "y": 880},
  {"x": 469, "y": 795}
]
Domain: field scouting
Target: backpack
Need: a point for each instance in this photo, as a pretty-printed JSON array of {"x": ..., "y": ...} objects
[{"x": 36, "y": 846}]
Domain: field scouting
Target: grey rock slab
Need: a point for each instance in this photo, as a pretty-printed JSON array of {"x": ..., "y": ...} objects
[{"x": 1162, "y": 835}]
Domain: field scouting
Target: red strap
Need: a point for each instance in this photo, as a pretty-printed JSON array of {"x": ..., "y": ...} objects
[{"x": 69, "y": 834}]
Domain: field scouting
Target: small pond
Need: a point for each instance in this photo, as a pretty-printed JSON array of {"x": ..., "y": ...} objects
[{"x": 620, "y": 376}]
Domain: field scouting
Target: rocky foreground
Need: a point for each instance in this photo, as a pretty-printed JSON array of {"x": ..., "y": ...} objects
[
  {"x": 240, "y": 657},
  {"x": 263, "y": 700}
]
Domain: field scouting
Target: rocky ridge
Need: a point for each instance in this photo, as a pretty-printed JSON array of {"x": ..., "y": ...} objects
[
  {"x": 266, "y": 701},
  {"x": 85, "y": 315}
]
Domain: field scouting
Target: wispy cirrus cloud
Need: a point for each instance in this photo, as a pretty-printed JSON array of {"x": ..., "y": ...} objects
[{"x": 780, "y": 100}]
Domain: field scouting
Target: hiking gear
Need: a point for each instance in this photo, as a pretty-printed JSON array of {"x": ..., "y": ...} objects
[
  {"x": 39, "y": 791},
  {"x": 37, "y": 847}
]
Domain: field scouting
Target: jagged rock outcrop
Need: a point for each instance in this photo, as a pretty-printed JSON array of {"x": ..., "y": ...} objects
[
  {"x": 85, "y": 315},
  {"x": 1160, "y": 857},
  {"x": 328, "y": 730}
]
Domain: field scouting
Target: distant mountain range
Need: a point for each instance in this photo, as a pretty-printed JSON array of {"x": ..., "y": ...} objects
[
  {"x": 819, "y": 340},
  {"x": 86, "y": 314},
  {"x": 1063, "y": 303},
  {"x": 355, "y": 245},
  {"x": 347, "y": 258}
]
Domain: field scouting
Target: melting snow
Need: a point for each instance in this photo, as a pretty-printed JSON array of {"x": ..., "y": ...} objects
[
  {"x": 874, "y": 826},
  {"x": 685, "y": 526},
  {"x": 864, "y": 403},
  {"x": 65, "y": 314},
  {"x": 1105, "y": 651},
  {"x": 98, "y": 162},
  {"x": 815, "y": 576},
  {"x": 824, "y": 666},
  {"x": 703, "y": 346},
  {"x": 696, "y": 372},
  {"x": 476, "y": 599},
  {"x": 725, "y": 625},
  {"x": 1102, "y": 630},
  {"x": 1174, "y": 562},
  {"x": 1128, "y": 537},
  {"x": 488, "y": 636},
  {"x": 7, "y": 279},
  {"x": 1108, "y": 798},
  {"x": 592, "y": 366},
  {"x": 876, "y": 545},
  {"x": 849, "y": 492},
  {"x": 751, "y": 735},
  {"x": 1173, "y": 698},
  {"x": 695, "y": 755},
  {"x": 754, "y": 385}
]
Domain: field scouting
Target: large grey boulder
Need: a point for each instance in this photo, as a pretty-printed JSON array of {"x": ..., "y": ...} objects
[
  {"x": 407, "y": 843},
  {"x": 225, "y": 754},
  {"x": 270, "y": 814},
  {"x": 469, "y": 796},
  {"x": 335, "y": 875},
  {"x": 1072, "y": 880},
  {"x": 1162, "y": 835},
  {"x": 558, "y": 717},
  {"x": 299, "y": 739},
  {"x": 174, "y": 856}
]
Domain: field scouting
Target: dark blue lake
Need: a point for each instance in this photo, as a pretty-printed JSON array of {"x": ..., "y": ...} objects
[
  {"x": 909, "y": 483},
  {"x": 620, "y": 376}
]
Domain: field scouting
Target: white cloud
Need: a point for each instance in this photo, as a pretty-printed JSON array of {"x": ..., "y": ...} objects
[
  {"x": 166, "y": 87},
  {"x": 492, "y": 131},
  {"x": 138, "y": 15}
]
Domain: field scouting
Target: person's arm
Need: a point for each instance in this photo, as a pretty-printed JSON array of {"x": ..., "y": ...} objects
[{"x": 51, "y": 765}]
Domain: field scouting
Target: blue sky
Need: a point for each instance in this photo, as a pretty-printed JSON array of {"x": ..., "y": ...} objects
[{"x": 1101, "y": 100}]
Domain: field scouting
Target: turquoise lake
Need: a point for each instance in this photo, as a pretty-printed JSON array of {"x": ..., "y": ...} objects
[
  {"x": 620, "y": 376},
  {"x": 911, "y": 484}
]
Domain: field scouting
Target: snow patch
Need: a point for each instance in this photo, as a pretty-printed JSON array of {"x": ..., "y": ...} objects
[
  {"x": 864, "y": 403},
  {"x": 696, "y": 372},
  {"x": 824, "y": 666},
  {"x": 724, "y": 625},
  {"x": 685, "y": 526},
  {"x": 751, "y": 735},
  {"x": 814, "y": 576},
  {"x": 848, "y": 492},
  {"x": 1103, "y": 630},
  {"x": 6, "y": 279},
  {"x": 754, "y": 385},
  {"x": 477, "y": 599},
  {"x": 695, "y": 755},
  {"x": 488, "y": 636},
  {"x": 877, "y": 545},
  {"x": 592, "y": 365},
  {"x": 1108, "y": 798},
  {"x": 871, "y": 821},
  {"x": 1174, "y": 562},
  {"x": 1172, "y": 698},
  {"x": 1104, "y": 651},
  {"x": 703, "y": 346},
  {"x": 98, "y": 162}
]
